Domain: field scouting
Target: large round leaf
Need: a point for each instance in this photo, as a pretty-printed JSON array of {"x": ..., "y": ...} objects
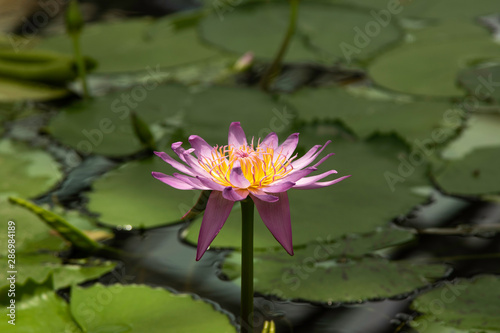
[
  {"x": 37, "y": 171},
  {"x": 137, "y": 44},
  {"x": 467, "y": 305},
  {"x": 381, "y": 182},
  {"x": 474, "y": 175},
  {"x": 429, "y": 63},
  {"x": 482, "y": 82},
  {"x": 158, "y": 311},
  {"x": 367, "y": 116},
  {"x": 313, "y": 279},
  {"x": 103, "y": 125},
  {"x": 324, "y": 32}
]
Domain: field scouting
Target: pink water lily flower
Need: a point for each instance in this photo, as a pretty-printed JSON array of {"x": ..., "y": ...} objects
[{"x": 264, "y": 172}]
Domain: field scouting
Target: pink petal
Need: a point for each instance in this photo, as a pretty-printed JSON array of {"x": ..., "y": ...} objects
[
  {"x": 237, "y": 178},
  {"x": 215, "y": 216},
  {"x": 288, "y": 147},
  {"x": 177, "y": 148},
  {"x": 313, "y": 179},
  {"x": 201, "y": 147},
  {"x": 309, "y": 157},
  {"x": 296, "y": 175},
  {"x": 230, "y": 193},
  {"x": 270, "y": 141},
  {"x": 277, "y": 188},
  {"x": 276, "y": 217},
  {"x": 179, "y": 166},
  {"x": 262, "y": 195},
  {"x": 236, "y": 136},
  {"x": 210, "y": 183},
  {"x": 320, "y": 184},
  {"x": 196, "y": 183},
  {"x": 172, "y": 181}
]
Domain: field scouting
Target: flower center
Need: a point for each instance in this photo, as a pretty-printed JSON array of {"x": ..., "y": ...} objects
[{"x": 260, "y": 166}]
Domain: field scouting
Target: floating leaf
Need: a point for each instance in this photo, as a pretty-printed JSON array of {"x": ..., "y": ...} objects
[
  {"x": 324, "y": 32},
  {"x": 469, "y": 305},
  {"x": 39, "y": 172},
  {"x": 382, "y": 178},
  {"x": 474, "y": 175},
  {"x": 366, "y": 116},
  {"x": 39, "y": 267},
  {"x": 103, "y": 125},
  {"x": 160, "y": 309},
  {"x": 429, "y": 63},
  {"x": 38, "y": 309},
  {"x": 138, "y": 44},
  {"x": 482, "y": 82},
  {"x": 312, "y": 278}
]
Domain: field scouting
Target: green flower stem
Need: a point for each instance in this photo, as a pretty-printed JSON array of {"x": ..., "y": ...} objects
[
  {"x": 247, "y": 208},
  {"x": 275, "y": 67},
  {"x": 80, "y": 64}
]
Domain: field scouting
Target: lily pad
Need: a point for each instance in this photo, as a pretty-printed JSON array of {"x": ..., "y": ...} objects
[
  {"x": 130, "y": 196},
  {"x": 426, "y": 324},
  {"x": 324, "y": 31},
  {"x": 137, "y": 44},
  {"x": 160, "y": 309},
  {"x": 428, "y": 64},
  {"x": 39, "y": 267},
  {"x": 382, "y": 178},
  {"x": 38, "y": 309},
  {"x": 474, "y": 175},
  {"x": 366, "y": 116},
  {"x": 482, "y": 82},
  {"x": 37, "y": 171},
  {"x": 32, "y": 235},
  {"x": 103, "y": 125},
  {"x": 470, "y": 305},
  {"x": 15, "y": 90},
  {"x": 481, "y": 131},
  {"x": 312, "y": 278}
]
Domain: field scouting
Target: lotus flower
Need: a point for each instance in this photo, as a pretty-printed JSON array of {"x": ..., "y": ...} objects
[{"x": 264, "y": 172}]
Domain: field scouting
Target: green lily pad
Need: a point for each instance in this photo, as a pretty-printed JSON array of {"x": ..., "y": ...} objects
[
  {"x": 382, "y": 179},
  {"x": 434, "y": 9},
  {"x": 482, "y": 82},
  {"x": 130, "y": 196},
  {"x": 159, "y": 310},
  {"x": 426, "y": 324},
  {"x": 38, "y": 309},
  {"x": 312, "y": 278},
  {"x": 474, "y": 175},
  {"x": 32, "y": 235},
  {"x": 324, "y": 32},
  {"x": 429, "y": 63},
  {"x": 469, "y": 305},
  {"x": 137, "y": 44},
  {"x": 37, "y": 171},
  {"x": 481, "y": 132},
  {"x": 14, "y": 90},
  {"x": 366, "y": 116},
  {"x": 39, "y": 267},
  {"x": 103, "y": 126}
]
